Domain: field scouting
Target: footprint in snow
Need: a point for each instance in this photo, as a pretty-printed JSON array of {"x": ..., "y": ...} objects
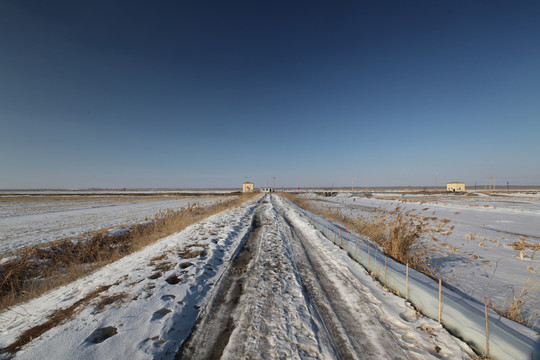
[
  {"x": 409, "y": 315},
  {"x": 160, "y": 314},
  {"x": 173, "y": 279},
  {"x": 101, "y": 334}
]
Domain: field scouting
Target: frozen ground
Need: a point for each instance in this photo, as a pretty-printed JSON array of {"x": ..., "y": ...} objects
[
  {"x": 472, "y": 241},
  {"x": 256, "y": 282},
  {"x": 29, "y": 220}
]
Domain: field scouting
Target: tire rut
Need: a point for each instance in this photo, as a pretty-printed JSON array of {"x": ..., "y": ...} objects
[
  {"x": 212, "y": 332},
  {"x": 351, "y": 325}
]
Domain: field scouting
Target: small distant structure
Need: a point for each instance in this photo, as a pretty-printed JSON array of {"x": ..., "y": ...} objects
[
  {"x": 267, "y": 189},
  {"x": 455, "y": 186},
  {"x": 247, "y": 187},
  {"x": 329, "y": 193}
]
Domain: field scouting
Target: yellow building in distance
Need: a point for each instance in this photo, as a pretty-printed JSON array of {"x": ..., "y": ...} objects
[
  {"x": 455, "y": 186},
  {"x": 247, "y": 187}
]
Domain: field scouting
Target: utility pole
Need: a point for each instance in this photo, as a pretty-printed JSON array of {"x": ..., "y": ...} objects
[
  {"x": 507, "y": 186},
  {"x": 352, "y": 185},
  {"x": 274, "y": 183}
]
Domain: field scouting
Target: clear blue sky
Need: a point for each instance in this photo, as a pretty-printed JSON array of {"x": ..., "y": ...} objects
[{"x": 204, "y": 93}]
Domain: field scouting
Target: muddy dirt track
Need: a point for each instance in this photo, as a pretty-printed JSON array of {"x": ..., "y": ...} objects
[{"x": 283, "y": 297}]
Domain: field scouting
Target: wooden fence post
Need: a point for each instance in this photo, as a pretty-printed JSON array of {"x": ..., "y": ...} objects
[
  {"x": 440, "y": 298},
  {"x": 385, "y": 261},
  {"x": 407, "y": 283},
  {"x": 327, "y": 230},
  {"x": 376, "y": 252},
  {"x": 487, "y": 327}
]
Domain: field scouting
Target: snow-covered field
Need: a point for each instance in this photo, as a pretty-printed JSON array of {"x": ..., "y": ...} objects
[
  {"x": 29, "y": 219},
  {"x": 482, "y": 246},
  {"x": 280, "y": 287}
]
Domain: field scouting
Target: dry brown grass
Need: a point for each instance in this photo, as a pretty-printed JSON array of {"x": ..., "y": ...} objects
[
  {"x": 37, "y": 269},
  {"x": 481, "y": 356},
  {"x": 188, "y": 252},
  {"x": 395, "y": 231},
  {"x": 109, "y": 300},
  {"x": 522, "y": 244},
  {"x": 518, "y": 307}
]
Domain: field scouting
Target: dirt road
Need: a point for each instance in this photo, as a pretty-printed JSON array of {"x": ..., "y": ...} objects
[{"x": 287, "y": 294}]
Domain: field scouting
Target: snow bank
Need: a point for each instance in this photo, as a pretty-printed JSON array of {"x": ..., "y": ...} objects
[{"x": 160, "y": 292}]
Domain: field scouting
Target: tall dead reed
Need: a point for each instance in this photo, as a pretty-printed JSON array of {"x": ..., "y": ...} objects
[
  {"x": 520, "y": 306},
  {"x": 395, "y": 231}
]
